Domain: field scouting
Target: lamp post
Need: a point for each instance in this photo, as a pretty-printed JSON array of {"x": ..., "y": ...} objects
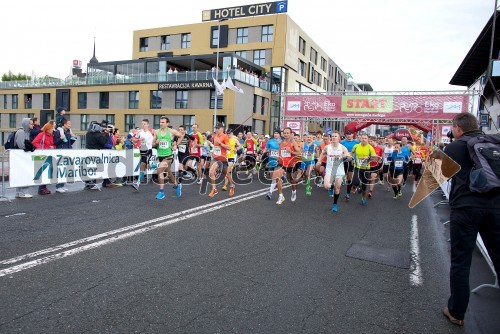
[{"x": 217, "y": 71}]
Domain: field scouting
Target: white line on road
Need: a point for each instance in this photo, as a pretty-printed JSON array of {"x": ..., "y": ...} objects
[
  {"x": 16, "y": 214},
  {"x": 416, "y": 278},
  {"x": 111, "y": 237}
]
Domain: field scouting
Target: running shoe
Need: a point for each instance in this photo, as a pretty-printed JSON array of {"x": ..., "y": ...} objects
[
  {"x": 160, "y": 195},
  {"x": 370, "y": 195},
  {"x": 135, "y": 185},
  {"x": 281, "y": 199},
  {"x": 395, "y": 196},
  {"x": 224, "y": 187},
  {"x": 231, "y": 191},
  {"x": 154, "y": 166},
  {"x": 363, "y": 201},
  {"x": 308, "y": 190},
  {"x": 360, "y": 190},
  {"x": 294, "y": 196},
  {"x": 400, "y": 194},
  {"x": 60, "y": 190},
  {"x": 330, "y": 192},
  {"x": 335, "y": 208},
  {"x": 347, "y": 197},
  {"x": 178, "y": 190},
  {"x": 268, "y": 195},
  {"x": 213, "y": 193}
]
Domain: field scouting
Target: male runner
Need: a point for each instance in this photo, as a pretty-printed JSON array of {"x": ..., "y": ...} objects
[
  {"x": 398, "y": 162},
  {"x": 321, "y": 164},
  {"x": 375, "y": 165},
  {"x": 406, "y": 150},
  {"x": 272, "y": 150},
  {"x": 363, "y": 154},
  {"x": 349, "y": 143},
  {"x": 231, "y": 156},
  {"x": 219, "y": 156},
  {"x": 251, "y": 146},
  {"x": 307, "y": 164},
  {"x": 289, "y": 150},
  {"x": 184, "y": 142},
  {"x": 145, "y": 137},
  {"x": 195, "y": 149},
  {"x": 386, "y": 158}
]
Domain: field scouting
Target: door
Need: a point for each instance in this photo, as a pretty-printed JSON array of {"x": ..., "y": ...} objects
[{"x": 45, "y": 116}]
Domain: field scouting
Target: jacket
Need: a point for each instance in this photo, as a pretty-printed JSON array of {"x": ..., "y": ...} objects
[
  {"x": 58, "y": 140},
  {"x": 96, "y": 140},
  {"x": 23, "y": 134},
  {"x": 44, "y": 141}
]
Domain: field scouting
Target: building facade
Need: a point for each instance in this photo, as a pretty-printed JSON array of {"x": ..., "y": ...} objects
[{"x": 171, "y": 73}]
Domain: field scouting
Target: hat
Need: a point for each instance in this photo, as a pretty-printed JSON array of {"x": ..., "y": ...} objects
[
  {"x": 59, "y": 109},
  {"x": 349, "y": 132},
  {"x": 219, "y": 125},
  {"x": 266, "y": 136},
  {"x": 129, "y": 136}
]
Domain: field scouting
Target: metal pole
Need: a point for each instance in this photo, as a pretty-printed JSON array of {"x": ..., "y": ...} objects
[{"x": 216, "y": 76}]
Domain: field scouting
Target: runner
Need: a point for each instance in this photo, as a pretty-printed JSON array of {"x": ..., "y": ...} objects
[
  {"x": 219, "y": 156},
  {"x": 289, "y": 150},
  {"x": 375, "y": 165},
  {"x": 398, "y": 162},
  {"x": 321, "y": 164},
  {"x": 417, "y": 158},
  {"x": 195, "y": 149},
  {"x": 406, "y": 150},
  {"x": 307, "y": 163},
  {"x": 363, "y": 154},
  {"x": 349, "y": 143},
  {"x": 335, "y": 153},
  {"x": 205, "y": 154},
  {"x": 231, "y": 156},
  {"x": 145, "y": 137},
  {"x": 387, "y": 157},
  {"x": 251, "y": 146},
  {"x": 184, "y": 142},
  {"x": 166, "y": 146},
  {"x": 272, "y": 150}
]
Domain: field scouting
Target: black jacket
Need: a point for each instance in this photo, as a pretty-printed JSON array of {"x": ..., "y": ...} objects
[
  {"x": 96, "y": 140},
  {"x": 58, "y": 140},
  {"x": 460, "y": 194}
]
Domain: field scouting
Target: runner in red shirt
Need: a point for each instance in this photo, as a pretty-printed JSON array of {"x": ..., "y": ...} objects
[
  {"x": 289, "y": 155},
  {"x": 375, "y": 165},
  {"x": 195, "y": 149},
  {"x": 219, "y": 156}
]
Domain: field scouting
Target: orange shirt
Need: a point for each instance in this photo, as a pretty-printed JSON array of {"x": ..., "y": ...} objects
[
  {"x": 287, "y": 158},
  {"x": 219, "y": 152}
]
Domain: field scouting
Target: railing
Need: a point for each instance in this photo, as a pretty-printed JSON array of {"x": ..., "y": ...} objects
[{"x": 114, "y": 79}]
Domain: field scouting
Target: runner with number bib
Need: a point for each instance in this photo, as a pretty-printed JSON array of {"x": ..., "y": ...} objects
[
  {"x": 363, "y": 153},
  {"x": 273, "y": 152}
]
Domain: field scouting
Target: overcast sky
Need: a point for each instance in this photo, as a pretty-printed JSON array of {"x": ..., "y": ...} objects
[{"x": 391, "y": 44}]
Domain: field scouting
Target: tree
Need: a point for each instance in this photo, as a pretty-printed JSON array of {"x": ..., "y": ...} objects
[{"x": 15, "y": 77}]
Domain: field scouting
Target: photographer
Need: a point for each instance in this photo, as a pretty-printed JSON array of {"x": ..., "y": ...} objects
[{"x": 97, "y": 136}]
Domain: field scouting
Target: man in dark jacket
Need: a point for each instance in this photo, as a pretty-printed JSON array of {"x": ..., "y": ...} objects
[
  {"x": 36, "y": 128},
  {"x": 96, "y": 138},
  {"x": 471, "y": 212},
  {"x": 62, "y": 144}
]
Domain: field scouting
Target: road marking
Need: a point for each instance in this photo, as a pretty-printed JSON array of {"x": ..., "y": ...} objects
[
  {"x": 16, "y": 214},
  {"x": 416, "y": 278},
  {"x": 114, "y": 235}
]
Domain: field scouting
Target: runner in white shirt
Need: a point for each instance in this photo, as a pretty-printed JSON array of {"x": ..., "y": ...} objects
[
  {"x": 387, "y": 157},
  {"x": 334, "y": 172},
  {"x": 145, "y": 136}
]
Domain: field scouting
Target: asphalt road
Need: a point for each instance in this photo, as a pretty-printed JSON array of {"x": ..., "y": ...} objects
[{"x": 119, "y": 261}]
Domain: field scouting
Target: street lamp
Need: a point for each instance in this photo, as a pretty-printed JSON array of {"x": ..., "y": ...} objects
[{"x": 217, "y": 71}]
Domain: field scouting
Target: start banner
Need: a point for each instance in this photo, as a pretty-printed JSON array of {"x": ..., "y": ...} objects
[{"x": 430, "y": 107}]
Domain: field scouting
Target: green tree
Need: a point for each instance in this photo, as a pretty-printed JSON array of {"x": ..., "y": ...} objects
[{"x": 15, "y": 77}]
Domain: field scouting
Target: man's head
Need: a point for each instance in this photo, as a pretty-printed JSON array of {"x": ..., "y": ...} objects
[
  {"x": 349, "y": 134},
  {"x": 145, "y": 123},
  {"x": 61, "y": 110},
  {"x": 463, "y": 122},
  {"x": 249, "y": 135},
  {"x": 240, "y": 135},
  {"x": 335, "y": 137},
  {"x": 287, "y": 132},
  {"x": 326, "y": 137},
  {"x": 363, "y": 139},
  {"x": 194, "y": 127},
  {"x": 164, "y": 122},
  {"x": 66, "y": 124},
  {"x": 36, "y": 120},
  {"x": 219, "y": 128},
  {"x": 182, "y": 129},
  {"x": 229, "y": 132},
  {"x": 397, "y": 145},
  {"x": 372, "y": 141},
  {"x": 404, "y": 141},
  {"x": 276, "y": 134},
  {"x": 390, "y": 142}
]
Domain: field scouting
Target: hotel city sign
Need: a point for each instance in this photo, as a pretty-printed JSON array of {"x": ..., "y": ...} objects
[{"x": 243, "y": 11}]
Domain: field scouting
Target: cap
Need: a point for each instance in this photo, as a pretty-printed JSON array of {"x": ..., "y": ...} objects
[
  {"x": 266, "y": 136},
  {"x": 349, "y": 132},
  {"x": 59, "y": 109},
  {"x": 219, "y": 125},
  {"x": 129, "y": 136}
]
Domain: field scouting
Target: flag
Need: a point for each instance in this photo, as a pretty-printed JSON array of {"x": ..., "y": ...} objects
[
  {"x": 230, "y": 85},
  {"x": 218, "y": 88}
]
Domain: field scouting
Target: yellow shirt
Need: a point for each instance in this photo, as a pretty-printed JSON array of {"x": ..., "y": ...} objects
[
  {"x": 231, "y": 154},
  {"x": 363, "y": 154}
]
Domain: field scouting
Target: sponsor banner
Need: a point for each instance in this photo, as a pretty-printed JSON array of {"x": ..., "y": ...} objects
[
  {"x": 296, "y": 126},
  {"x": 443, "y": 138},
  {"x": 431, "y": 107}
]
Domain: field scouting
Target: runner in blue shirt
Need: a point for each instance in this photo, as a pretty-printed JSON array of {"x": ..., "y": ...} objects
[
  {"x": 396, "y": 169},
  {"x": 272, "y": 151},
  {"x": 406, "y": 150}
]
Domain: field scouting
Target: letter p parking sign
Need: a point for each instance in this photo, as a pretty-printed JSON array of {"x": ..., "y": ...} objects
[{"x": 281, "y": 7}]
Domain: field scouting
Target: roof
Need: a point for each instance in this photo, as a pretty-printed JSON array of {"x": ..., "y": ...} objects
[{"x": 476, "y": 61}]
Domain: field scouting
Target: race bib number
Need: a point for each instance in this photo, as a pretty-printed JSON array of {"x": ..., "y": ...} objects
[
  {"x": 418, "y": 160},
  {"x": 217, "y": 150},
  {"x": 164, "y": 144},
  {"x": 364, "y": 162},
  {"x": 194, "y": 149},
  {"x": 286, "y": 154},
  {"x": 306, "y": 155},
  {"x": 334, "y": 160},
  {"x": 274, "y": 153},
  {"x": 182, "y": 148},
  {"x": 398, "y": 164}
]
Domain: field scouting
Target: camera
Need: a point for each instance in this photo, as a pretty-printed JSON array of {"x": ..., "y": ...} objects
[{"x": 450, "y": 135}]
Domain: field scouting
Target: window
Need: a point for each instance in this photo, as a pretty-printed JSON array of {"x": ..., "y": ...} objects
[
  {"x": 12, "y": 121},
  {"x": 302, "y": 46},
  {"x": 82, "y": 100},
  {"x": 242, "y": 54},
  {"x": 264, "y": 105},
  {"x": 15, "y": 101},
  {"x": 155, "y": 99},
  {"x": 129, "y": 122},
  {"x": 30, "y": 116},
  {"x": 46, "y": 100},
  {"x": 143, "y": 44},
  {"x": 185, "y": 41},
  {"x": 156, "y": 121},
  {"x": 323, "y": 64},
  {"x": 188, "y": 121},
  {"x": 28, "y": 99},
  {"x": 241, "y": 35},
  {"x": 165, "y": 42},
  {"x": 259, "y": 57},
  {"x": 319, "y": 79},
  {"x": 104, "y": 100},
  {"x": 254, "y": 103},
  {"x": 5, "y": 101},
  {"x": 314, "y": 56},
  {"x": 267, "y": 34},
  {"x": 215, "y": 37},
  {"x": 302, "y": 69},
  {"x": 110, "y": 118},
  {"x": 181, "y": 99},
  {"x": 133, "y": 100},
  {"x": 84, "y": 122},
  {"x": 212, "y": 100}
]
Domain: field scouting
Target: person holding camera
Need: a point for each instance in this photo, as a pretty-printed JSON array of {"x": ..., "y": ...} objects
[
  {"x": 471, "y": 213},
  {"x": 97, "y": 136}
]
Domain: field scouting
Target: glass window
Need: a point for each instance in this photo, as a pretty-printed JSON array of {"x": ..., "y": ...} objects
[
  {"x": 155, "y": 99},
  {"x": 212, "y": 100},
  {"x": 28, "y": 99},
  {"x": 165, "y": 42},
  {"x": 188, "y": 121},
  {"x": 314, "y": 56},
  {"x": 104, "y": 100},
  {"x": 84, "y": 122},
  {"x": 12, "y": 121},
  {"x": 5, "y": 101},
  {"x": 302, "y": 46},
  {"x": 242, "y": 35},
  {"x": 129, "y": 122},
  {"x": 30, "y": 115},
  {"x": 110, "y": 118},
  {"x": 133, "y": 100},
  {"x": 323, "y": 64},
  {"x": 82, "y": 100},
  {"x": 302, "y": 68},
  {"x": 15, "y": 101},
  {"x": 215, "y": 37},
  {"x": 46, "y": 100},
  {"x": 264, "y": 105},
  {"x": 181, "y": 99},
  {"x": 254, "y": 103},
  {"x": 242, "y": 54},
  {"x": 65, "y": 100},
  {"x": 185, "y": 41},
  {"x": 259, "y": 57},
  {"x": 156, "y": 121},
  {"x": 267, "y": 33},
  {"x": 143, "y": 44}
]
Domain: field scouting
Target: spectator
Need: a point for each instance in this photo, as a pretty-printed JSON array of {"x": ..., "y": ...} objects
[
  {"x": 96, "y": 137},
  {"x": 36, "y": 128},
  {"x": 45, "y": 141},
  {"x": 61, "y": 114},
  {"x": 21, "y": 139},
  {"x": 64, "y": 145}
]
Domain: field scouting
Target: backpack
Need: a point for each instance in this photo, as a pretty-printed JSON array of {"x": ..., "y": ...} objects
[
  {"x": 11, "y": 141},
  {"x": 484, "y": 151}
]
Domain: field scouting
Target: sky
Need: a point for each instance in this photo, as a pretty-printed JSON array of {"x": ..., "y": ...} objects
[{"x": 394, "y": 45}]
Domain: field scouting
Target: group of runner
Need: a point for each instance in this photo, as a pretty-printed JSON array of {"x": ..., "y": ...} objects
[{"x": 357, "y": 164}]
